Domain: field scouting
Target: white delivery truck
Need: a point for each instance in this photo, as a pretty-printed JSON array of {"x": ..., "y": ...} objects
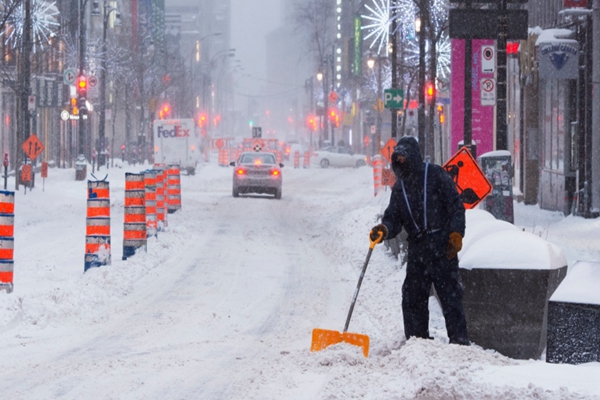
[{"x": 176, "y": 142}]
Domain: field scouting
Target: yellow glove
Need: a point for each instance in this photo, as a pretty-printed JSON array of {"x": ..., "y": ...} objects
[{"x": 454, "y": 245}]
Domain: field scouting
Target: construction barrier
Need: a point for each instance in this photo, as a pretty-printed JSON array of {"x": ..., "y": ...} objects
[
  {"x": 161, "y": 209},
  {"x": 7, "y": 240},
  {"x": 134, "y": 226},
  {"x": 297, "y": 159},
  {"x": 223, "y": 157},
  {"x": 377, "y": 173},
  {"x": 306, "y": 159},
  {"x": 97, "y": 230},
  {"x": 151, "y": 219},
  {"x": 173, "y": 189}
]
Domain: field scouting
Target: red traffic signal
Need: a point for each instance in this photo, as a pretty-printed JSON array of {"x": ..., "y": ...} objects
[
  {"x": 202, "y": 119},
  {"x": 82, "y": 85},
  {"x": 164, "y": 111},
  {"x": 429, "y": 91}
]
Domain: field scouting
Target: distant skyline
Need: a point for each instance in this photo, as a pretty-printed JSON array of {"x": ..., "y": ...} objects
[{"x": 251, "y": 21}]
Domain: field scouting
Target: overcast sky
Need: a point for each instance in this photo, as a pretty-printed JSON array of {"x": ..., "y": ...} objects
[{"x": 251, "y": 20}]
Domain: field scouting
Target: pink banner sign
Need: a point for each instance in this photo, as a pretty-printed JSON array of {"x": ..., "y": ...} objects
[{"x": 483, "y": 127}]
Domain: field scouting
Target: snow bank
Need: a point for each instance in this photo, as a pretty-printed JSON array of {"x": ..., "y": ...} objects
[
  {"x": 490, "y": 243},
  {"x": 581, "y": 285}
]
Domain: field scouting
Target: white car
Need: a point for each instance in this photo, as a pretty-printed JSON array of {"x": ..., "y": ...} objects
[{"x": 338, "y": 157}]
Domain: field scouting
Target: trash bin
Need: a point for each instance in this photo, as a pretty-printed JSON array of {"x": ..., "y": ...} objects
[
  {"x": 498, "y": 169},
  {"x": 80, "y": 168}
]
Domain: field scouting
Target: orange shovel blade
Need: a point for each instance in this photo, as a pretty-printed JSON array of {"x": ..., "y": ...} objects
[{"x": 322, "y": 338}]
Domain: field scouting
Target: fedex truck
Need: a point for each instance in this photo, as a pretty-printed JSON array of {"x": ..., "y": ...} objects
[{"x": 176, "y": 142}]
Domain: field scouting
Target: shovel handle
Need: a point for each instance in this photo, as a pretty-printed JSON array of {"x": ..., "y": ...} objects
[{"x": 376, "y": 241}]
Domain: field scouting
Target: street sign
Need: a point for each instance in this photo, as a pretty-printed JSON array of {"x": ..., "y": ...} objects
[
  {"x": 257, "y": 132},
  {"x": 31, "y": 103},
  {"x": 483, "y": 24},
  {"x": 64, "y": 115},
  {"x": 388, "y": 149},
  {"x": 93, "y": 81},
  {"x": 219, "y": 143},
  {"x": 488, "y": 91},
  {"x": 26, "y": 173},
  {"x": 366, "y": 140},
  {"x": 488, "y": 59},
  {"x": 44, "y": 170},
  {"x": 33, "y": 147},
  {"x": 471, "y": 183},
  {"x": 394, "y": 98},
  {"x": 69, "y": 76},
  {"x": 333, "y": 97},
  {"x": 258, "y": 144}
]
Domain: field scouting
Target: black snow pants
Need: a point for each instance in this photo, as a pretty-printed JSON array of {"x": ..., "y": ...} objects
[{"x": 427, "y": 266}]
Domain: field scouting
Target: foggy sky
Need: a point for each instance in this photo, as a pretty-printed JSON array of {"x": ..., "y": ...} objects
[{"x": 251, "y": 20}]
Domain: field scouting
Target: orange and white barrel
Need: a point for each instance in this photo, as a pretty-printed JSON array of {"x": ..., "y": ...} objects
[
  {"x": 7, "y": 241},
  {"x": 306, "y": 159},
  {"x": 134, "y": 226},
  {"x": 296, "y": 159},
  {"x": 160, "y": 198},
  {"x": 97, "y": 230},
  {"x": 377, "y": 173},
  {"x": 173, "y": 189},
  {"x": 223, "y": 157},
  {"x": 151, "y": 220}
]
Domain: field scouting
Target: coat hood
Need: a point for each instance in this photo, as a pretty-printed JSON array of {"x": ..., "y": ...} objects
[{"x": 408, "y": 147}]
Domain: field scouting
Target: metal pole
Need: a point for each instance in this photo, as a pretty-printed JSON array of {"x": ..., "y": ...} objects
[
  {"x": 596, "y": 109},
  {"x": 378, "y": 138},
  {"x": 394, "y": 55},
  {"x": 468, "y": 94},
  {"x": 82, "y": 130},
  {"x": 421, "y": 81},
  {"x": 102, "y": 127},
  {"x": 501, "y": 123}
]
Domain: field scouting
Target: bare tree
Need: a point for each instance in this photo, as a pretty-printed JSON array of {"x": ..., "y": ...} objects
[{"x": 315, "y": 20}]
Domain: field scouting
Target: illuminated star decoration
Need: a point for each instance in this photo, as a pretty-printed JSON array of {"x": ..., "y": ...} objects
[
  {"x": 43, "y": 24},
  {"x": 379, "y": 23}
]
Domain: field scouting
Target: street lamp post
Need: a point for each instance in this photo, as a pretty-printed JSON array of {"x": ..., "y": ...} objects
[
  {"x": 102, "y": 113},
  {"x": 371, "y": 64}
]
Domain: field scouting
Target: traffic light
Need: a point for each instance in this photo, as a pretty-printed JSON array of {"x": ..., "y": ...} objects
[
  {"x": 202, "y": 120},
  {"x": 429, "y": 92},
  {"x": 165, "y": 111},
  {"x": 334, "y": 117},
  {"x": 311, "y": 123},
  {"x": 82, "y": 86},
  {"x": 442, "y": 117}
]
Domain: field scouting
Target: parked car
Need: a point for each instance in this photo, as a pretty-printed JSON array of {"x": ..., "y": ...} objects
[
  {"x": 257, "y": 172},
  {"x": 338, "y": 157}
]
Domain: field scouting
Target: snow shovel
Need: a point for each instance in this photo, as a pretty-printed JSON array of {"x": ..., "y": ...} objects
[{"x": 322, "y": 338}]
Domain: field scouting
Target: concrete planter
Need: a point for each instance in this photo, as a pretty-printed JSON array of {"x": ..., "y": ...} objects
[
  {"x": 507, "y": 309},
  {"x": 574, "y": 317}
]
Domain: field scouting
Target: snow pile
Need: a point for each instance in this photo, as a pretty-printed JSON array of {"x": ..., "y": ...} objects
[
  {"x": 581, "y": 285},
  {"x": 490, "y": 243}
]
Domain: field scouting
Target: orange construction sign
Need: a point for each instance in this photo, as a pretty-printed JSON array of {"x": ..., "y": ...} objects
[
  {"x": 388, "y": 178},
  {"x": 33, "y": 147},
  {"x": 388, "y": 149},
  {"x": 471, "y": 183}
]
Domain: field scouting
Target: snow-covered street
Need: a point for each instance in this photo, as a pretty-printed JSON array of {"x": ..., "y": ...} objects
[{"x": 223, "y": 303}]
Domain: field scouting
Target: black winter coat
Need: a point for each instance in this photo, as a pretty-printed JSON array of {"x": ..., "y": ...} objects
[{"x": 445, "y": 210}]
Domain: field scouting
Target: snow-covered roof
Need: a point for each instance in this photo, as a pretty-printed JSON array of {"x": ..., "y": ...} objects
[
  {"x": 581, "y": 284},
  {"x": 496, "y": 153},
  {"x": 555, "y": 35}
]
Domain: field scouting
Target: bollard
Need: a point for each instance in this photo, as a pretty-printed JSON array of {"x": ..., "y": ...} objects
[
  {"x": 161, "y": 209},
  {"x": 306, "y": 159},
  {"x": 134, "y": 226},
  {"x": 97, "y": 231},
  {"x": 296, "y": 159},
  {"x": 151, "y": 220},
  {"x": 173, "y": 189},
  {"x": 377, "y": 173},
  {"x": 223, "y": 157},
  {"x": 7, "y": 241}
]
